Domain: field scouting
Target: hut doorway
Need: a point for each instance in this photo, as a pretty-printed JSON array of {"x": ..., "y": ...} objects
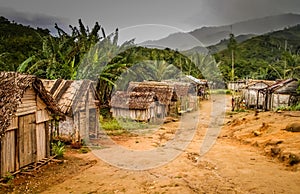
[{"x": 27, "y": 140}]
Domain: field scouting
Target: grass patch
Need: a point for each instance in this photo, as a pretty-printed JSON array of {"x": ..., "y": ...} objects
[
  {"x": 220, "y": 91},
  {"x": 122, "y": 125},
  {"x": 289, "y": 108},
  {"x": 84, "y": 150}
]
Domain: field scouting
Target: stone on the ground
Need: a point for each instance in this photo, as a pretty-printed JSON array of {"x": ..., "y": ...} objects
[{"x": 293, "y": 127}]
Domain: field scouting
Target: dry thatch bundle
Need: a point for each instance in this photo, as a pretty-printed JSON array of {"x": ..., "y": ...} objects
[
  {"x": 163, "y": 91},
  {"x": 133, "y": 100},
  {"x": 12, "y": 88}
]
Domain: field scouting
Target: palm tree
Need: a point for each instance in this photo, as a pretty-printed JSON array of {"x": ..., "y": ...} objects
[
  {"x": 60, "y": 56},
  {"x": 207, "y": 65}
]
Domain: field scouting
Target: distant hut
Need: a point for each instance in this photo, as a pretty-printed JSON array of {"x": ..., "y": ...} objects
[
  {"x": 139, "y": 106},
  {"x": 79, "y": 102},
  {"x": 250, "y": 93},
  {"x": 186, "y": 94},
  {"x": 283, "y": 93},
  {"x": 236, "y": 85},
  {"x": 25, "y": 122},
  {"x": 199, "y": 85},
  {"x": 163, "y": 91}
]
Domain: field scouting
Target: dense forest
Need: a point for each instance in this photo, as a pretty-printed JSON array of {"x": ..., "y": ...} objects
[
  {"x": 275, "y": 55},
  {"x": 17, "y": 43}
]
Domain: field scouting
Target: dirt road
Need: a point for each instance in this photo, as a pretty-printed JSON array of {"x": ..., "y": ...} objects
[{"x": 230, "y": 166}]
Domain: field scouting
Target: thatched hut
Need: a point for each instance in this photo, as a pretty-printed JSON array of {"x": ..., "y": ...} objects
[
  {"x": 139, "y": 106},
  {"x": 79, "y": 102},
  {"x": 283, "y": 93},
  {"x": 186, "y": 94},
  {"x": 163, "y": 91},
  {"x": 25, "y": 122}
]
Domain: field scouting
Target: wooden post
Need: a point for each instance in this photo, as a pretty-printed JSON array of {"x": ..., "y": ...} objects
[
  {"x": 87, "y": 118},
  {"x": 257, "y": 99},
  {"x": 48, "y": 139}
]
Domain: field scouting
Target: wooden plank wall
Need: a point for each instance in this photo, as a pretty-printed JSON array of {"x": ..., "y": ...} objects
[
  {"x": 8, "y": 153},
  {"x": 42, "y": 116},
  {"x": 28, "y": 103},
  {"x": 41, "y": 141},
  {"x": 27, "y": 140}
]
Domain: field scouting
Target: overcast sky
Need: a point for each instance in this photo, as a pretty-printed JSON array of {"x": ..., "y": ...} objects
[{"x": 131, "y": 16}]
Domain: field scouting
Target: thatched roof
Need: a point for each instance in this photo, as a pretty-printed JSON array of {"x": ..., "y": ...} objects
[
  {"x": 180, "y": 88},
  {"x": 69, "y": 94},
  {"x": 163, "y": 91},
  {"x": 12, "y": 88},
  {"x": 132, "y": 100}
]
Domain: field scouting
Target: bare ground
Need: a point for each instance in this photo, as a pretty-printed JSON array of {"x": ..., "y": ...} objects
[{"x": 252, "y": 154}]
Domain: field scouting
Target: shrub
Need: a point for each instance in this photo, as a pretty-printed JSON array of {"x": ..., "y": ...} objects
[
  {"x": 58, "y": 149},
  {"x": 8, "y": 177},
  {"x": 111, "y": 124},
  {"x": 84, "y": 150},
  {"x": 289, "y": 108}
]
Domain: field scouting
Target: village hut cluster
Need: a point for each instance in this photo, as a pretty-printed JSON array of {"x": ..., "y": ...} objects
[
  {"x": 265, "y": 94},
  {"x": 150, "y": 100},
  {"x": 34, "y": 111}
]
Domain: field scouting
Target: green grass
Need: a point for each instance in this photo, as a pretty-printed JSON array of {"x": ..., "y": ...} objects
[
  {"x": 122, "y": 125},
  {"x": 220, "y": 91},
  {"x": 289, "y": 108}
]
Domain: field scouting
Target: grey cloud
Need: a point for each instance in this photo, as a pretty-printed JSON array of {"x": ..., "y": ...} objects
[
  {"x": 33, "y": 19},
  {"x": 218, "y": 12}
]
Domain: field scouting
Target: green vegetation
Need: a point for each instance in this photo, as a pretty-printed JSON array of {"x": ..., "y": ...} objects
[
  {"x": 8, "y": 177},
  {"x": 17, "y": 43},
  {"x": 289, "y": 108},
  {"x": 271, "y": 56},
  {"x": 61, "y": 56},
  {"x": 220, "y": 91},
  {"x": 111, "y": 124},
  {"x": 84, "y": 150},
  {"x": 90, "y": 54},
  {"x": 119, "y": 126},
  {"x": 58, "y": 149}
]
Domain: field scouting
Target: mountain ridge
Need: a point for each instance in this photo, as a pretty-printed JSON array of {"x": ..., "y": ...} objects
[{"x": 207, "y": 36}]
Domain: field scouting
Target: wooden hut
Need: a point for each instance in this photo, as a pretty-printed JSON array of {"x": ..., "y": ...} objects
[
  {"x": 250, "y": 93},
  {"x": 163, "y": 91},
  {"x": 135, "y": 105},
  {"x": 283, "y": 93},
  {"x": 236, "y": 85},
  {"x": 26, "y": 112},
  {"x": 186, "y": 94},
  {"x": 79, "y": 102}
]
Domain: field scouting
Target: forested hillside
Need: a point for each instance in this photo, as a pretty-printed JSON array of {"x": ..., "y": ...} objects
[
  {"x": 274, "y": 55},
  {"x": 17, "y": 43}
]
